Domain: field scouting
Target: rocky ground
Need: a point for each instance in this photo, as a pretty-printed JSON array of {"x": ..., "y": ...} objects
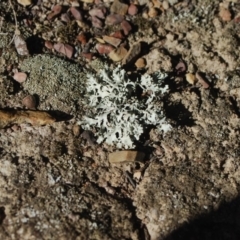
[{"x": 56, "y": 182}]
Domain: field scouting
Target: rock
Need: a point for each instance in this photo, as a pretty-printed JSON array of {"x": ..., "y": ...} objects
[
  {"x": 65, "y": 49},
  {"x": 104, "y": 48},
  {"x": 113, "y": 19},
  {"x": 118, "y": 54},
  {"x": 126, "y": 156},
  {"x": 173, "y": 2},
  {"x": 20, "y": 45},
  {"x": 140, "y": 63},
  {"x": 82, "y": 38},
  {"x": 30, "y": 102},
  {"x": 48, "y": 44},
  {"x": 97, "y": 12},
  {"x": 112, "y": 40},
  {"x": 88, "y": 56},
  {"x": 190, "y": 78},
  {"x": 201, "y": 79},
  {"x": 76, "y": 130},
  {"x": 165, "y": 5},
  {"x": 153, "y": 12},
  {"x": 65, "y": 17},
  {"x": 126, "y": 27},
  {"x": 56, "y": 10},
  {"x": 181, "y": 67},
  {"x": 20, "y": 77},
  {"x": 119, "y": 7},
  {"x": 132, "y": 54},
  {"x": 118, "y": 34},
  {"x": 25, "y": 2},
  {"x": 96, "y": 22},
  {"x": 76, "y": 13},
  {"x": 132, "y": 10},
  {"x": 225, "y": 14}
]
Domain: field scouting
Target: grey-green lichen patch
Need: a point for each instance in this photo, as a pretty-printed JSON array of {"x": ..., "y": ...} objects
[{"x": 58, "y": 83}]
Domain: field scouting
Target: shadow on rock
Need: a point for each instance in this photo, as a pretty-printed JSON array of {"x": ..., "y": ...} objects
[{"x": 222, "y": 224}]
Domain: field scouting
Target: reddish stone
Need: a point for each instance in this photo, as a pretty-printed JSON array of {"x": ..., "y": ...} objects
[
  {"x": 96, "y": 22},
  {"x": 113, "y": 19},
  {"x": 132, "y": 10},
  {"x": 104, "y": 48},
  {"x": 56, "y": 10},
  {"x": 97, "y": 12},
  {"x": 76, "y": 13},
  {"x": 82, "y": 38},
  {"x": 88, "y": 56},
  {"x": 118, "y": 34},
  {"x": 48, "y": 45},
  {"x": 126, "y": 27},
  {"x": 65, "y": 49}
]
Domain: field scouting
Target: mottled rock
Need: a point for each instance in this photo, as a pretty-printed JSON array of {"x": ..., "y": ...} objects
[
  {"x": 97, "y": 12},
  {"x": 113, "y": 19},
  {"x": 104, "y": 48},
  {"x": 133, "y": 9},
  {"x": 119, "y": 7},
  {"x": 56, "y": 10},
  {"x": 96, "y": 22},
  {"x": 20, "y": 45},
  {"x": 29, "y": 102},
  {"x": 65, "y": 49},
  {"x": 76, "y": 13},
  {"x": 126, "y": 27}
]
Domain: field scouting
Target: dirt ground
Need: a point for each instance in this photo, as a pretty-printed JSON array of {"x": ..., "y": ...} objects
[{"x": 56, "y": 182}]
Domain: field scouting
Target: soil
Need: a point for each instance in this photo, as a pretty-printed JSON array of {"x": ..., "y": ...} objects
[{"x": 56, "y": 182}]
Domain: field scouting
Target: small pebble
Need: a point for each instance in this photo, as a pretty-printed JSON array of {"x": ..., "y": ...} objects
[
  {"x": 118, "y": 34},
  {"x": 126, "y": 27},
  {"x": 56, "y": 10},
  {"x": 82, "y": 38},
  {"x": 225, "y": 14},
  {"x": 112, "y": 40},
  {"x": 48, "y": 44},
  {"x": 190, "y": 78},
  {"x": 20, "y": 77},
  {"x": 119, "y": 7},
  {"x": 104, "y": 48},
  {"x": 97, "y": 12},
  {"x": 65, "y": 49},
  {"x": 25, "y": 2},
  {"x": 118, "y": 54},
  {"x": 113, "y": 19},
  {"x": 96, "y": 22},
  {"x": 153, "y": 12},
  {"x": 29, "y": 102},
  {"x": 133, "y": 9},
  {"x": 76, "y": 13},
  {"x": 140, "y": 63}
]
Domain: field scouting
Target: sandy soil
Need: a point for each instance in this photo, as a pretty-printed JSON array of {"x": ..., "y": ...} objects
[{"x": 57, "y": 183}]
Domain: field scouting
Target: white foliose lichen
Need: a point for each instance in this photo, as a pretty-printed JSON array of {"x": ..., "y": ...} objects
[{"x": 117, "y": 114}]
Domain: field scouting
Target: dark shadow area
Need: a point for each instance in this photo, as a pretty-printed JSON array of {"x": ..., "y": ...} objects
[
  {"x": 223, "y": 224},
  {"x": 60, "y": 116},
  {"x": 179, "y": 114},
  {"x": 2, "y": 214},
  {"x": 35, "y": 45}
]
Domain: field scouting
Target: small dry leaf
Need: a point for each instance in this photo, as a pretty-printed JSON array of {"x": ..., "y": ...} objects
[
  {"x": 20, "y": 45},
  {"x": 20, "y": 77},
  {"x": 118, "y": 54},
  {"x": 10, "y": 117}
]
